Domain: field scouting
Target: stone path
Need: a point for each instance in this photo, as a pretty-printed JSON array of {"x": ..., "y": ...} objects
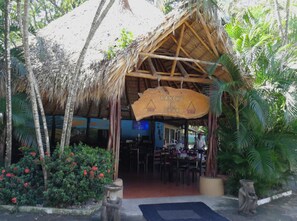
[{"x": 284, "y": 209}]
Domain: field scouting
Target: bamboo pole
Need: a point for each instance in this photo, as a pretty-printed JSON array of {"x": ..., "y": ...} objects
[
  {"x": 212, "y": 45},
  {"x": 168, "y": 78},
  {"x": 180, "y": 40},
  {"x": 178, "y": 58}
]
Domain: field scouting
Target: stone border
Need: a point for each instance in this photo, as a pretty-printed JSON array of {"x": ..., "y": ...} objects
[
  {"x": 48, "y": 210},
  {"x": 266, "y": 200},
  {"x": 277, "y": 196}
]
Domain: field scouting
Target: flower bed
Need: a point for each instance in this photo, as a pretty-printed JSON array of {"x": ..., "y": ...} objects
[{"x": 74, "y": 178}]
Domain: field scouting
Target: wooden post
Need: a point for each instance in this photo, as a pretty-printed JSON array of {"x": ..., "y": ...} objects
[
  {"x": 115, "y": 132},
  {"x": 211, "y": 161}
]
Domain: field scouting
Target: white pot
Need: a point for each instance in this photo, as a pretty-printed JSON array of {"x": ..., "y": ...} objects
[{"x": 211, "y": 186}]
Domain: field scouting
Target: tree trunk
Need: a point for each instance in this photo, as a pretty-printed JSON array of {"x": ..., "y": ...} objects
[
  {"x": 43, "y": 117},
  {"x": 30, "y": 77},
  {"x": 98, "y": 18},
  {"x": 36, "y": 89},
  {"x": 278, "y": 18},
  {"x": 8, "y": 85},
  {"x": 211, "y": 161},
  {"x": 286, "y": 40}
]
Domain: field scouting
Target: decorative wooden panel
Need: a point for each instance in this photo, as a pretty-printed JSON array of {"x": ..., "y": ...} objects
[{"x": 167, "y": 101}]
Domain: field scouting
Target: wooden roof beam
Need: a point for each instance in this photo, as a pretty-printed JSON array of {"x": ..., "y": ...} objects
[
  {"x": 180, "y": 40},
  {"x": 199, "y": 38},
  {"x": 182, "y": 69},
  {"x": 178, "y": 58},
  {"x": 169, "y": 78},
  {"x": 152, "y": 67},
  {"x": 212, "y": 45},
  {"x": 187, "y": 54}
]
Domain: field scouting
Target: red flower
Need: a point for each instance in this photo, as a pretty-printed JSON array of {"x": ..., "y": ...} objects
[
  {"x": 33, "y": 154},
  {"x": 94, "y": 168},
  {"x": 8, "y": 175},
  {"x": 14, "y": 200},
  {"x": 101, "y": 175},
  {"x": 26, "y": 185},
  {"x": 3, "y": 171},
  {"x": 15, "y": 168},
  {"x": 85, "y": 172},
  {"x": 92, "y": 174},
  {"x": 27, "y": 170},
  {"x": 1, "y": 177},
  {"x": 74, "y": 164},
  {"x": 108, "y": 171}
]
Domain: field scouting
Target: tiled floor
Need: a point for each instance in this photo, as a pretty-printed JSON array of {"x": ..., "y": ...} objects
[{"x": 144, "y": 185}]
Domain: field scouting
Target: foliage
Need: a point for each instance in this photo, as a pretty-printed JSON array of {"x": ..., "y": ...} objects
[
  {"x": 23, "y": 130},
  {"x": 78, "y": 175},
  {"x": 22, "y": 183},
  {"x": 263, "y": 148},
  {"x": 123, "y": 42},
  {"x": 264, "y": 156}
]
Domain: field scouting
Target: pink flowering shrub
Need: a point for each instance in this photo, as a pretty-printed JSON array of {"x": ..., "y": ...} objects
[
  {"x": 74, "y": 178},
  {"x": 22, "y": 183},
  {"x": 78, "y": 176}
]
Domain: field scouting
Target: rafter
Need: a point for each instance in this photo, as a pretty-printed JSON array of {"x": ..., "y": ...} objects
[
  {"x": 182, "y": 69},
  {"x": 187, "y": 54},
  {"x": 152, "y": 67},
  {"x": 180, "y": 40},
  {"x": 177, "y": 58},
  {"x": 208, "y": 34},
  {"x": 169, "y": 78},
  {"x": 199, "y": 38}
]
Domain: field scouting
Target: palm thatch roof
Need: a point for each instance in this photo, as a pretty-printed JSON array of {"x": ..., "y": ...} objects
[{"x": 176, "y": 51}]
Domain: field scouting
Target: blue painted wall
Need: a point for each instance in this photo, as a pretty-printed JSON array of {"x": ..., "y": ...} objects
[
  {"x": 127, "y": 131},
  {"x": 159, "y": 136}
]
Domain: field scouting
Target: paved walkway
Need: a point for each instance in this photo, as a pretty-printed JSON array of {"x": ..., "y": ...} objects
[{"x": 284, "y": 209}]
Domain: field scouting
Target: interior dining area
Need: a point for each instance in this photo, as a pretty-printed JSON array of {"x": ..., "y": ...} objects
[{"x": 162, "y": 159}]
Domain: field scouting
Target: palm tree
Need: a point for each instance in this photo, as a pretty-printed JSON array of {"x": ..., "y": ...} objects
[
  {"x": 235, "y": 94},
  {"x": 68, "y": 117},
  {"x": 8, "y": 85}
]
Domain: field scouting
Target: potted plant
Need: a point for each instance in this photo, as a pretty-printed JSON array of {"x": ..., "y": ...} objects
[{"x": 235, "y": 94}]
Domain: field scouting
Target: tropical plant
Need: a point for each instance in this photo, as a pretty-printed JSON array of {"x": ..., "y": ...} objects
[
  {"x": 262, "y": 152},
  {"x": 77, "y": 175},
  {"x": 71, "y": 98},
  {"x": 8, "y": 111}
]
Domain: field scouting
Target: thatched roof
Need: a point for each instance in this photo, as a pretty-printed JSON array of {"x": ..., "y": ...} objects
[
  {"x": 175, "y": 51},
  {"x": 57, "y": 46}
]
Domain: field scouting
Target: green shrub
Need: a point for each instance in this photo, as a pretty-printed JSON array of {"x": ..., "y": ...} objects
[
  {"x": 74, "y": 178},
  {"x": 22, "y": 183},
  {"x": 78, "y": 175}
]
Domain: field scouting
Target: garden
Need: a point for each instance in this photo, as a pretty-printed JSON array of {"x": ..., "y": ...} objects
[{"x": 76, "y": 177}]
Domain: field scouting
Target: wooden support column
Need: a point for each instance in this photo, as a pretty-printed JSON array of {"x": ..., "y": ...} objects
[
  {"x": 115, "y": 132},
  {"x": 212, "y": 149}
]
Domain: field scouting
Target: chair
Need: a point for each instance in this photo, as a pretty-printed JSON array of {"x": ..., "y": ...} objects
[
  {"x": 165, "y": 166},
  {"x": 182, "y": 171},
  {"x": 137, "y": 157},
  {"x": 157, "y": 160}
]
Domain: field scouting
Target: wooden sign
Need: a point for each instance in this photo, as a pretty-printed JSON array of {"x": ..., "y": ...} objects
[{"x": 167, "y": 101}]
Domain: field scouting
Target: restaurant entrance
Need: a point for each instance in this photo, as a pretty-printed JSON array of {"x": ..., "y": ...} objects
[{"x": 153, "y": 165}]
